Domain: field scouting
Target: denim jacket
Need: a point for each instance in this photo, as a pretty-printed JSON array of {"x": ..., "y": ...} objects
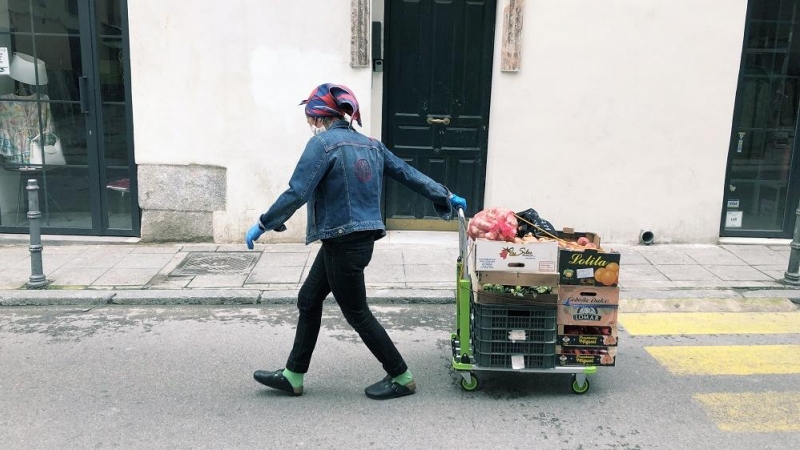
[{"x": 340, "y": 176}]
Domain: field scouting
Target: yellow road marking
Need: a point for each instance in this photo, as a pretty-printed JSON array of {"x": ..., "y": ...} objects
[
  {"x": 710, "y": 323},
  {"x": 728, "y": 359},
  {"x": 753, "y": 412}
]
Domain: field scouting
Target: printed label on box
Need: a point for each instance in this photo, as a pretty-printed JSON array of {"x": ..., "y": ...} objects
[
  {"x": 585, "y": 273},
  {"x": 588, "y": 267},
  {"x": 587, "y": 315},
  {"x": 588, "y": 295},
  {"x": 537, "y": 257},
  {"x": 600, "y": 356},
  {"x": 516, "y": 335},
  {"x": 587, "y": 340},
  {"x": 587, "y": 360},
  {"x": 587, "y": 336}
]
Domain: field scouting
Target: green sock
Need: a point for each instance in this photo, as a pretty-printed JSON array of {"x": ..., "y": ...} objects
[
  {"x": 296, "y": 379},
  {"x": 404, "y": 378}
]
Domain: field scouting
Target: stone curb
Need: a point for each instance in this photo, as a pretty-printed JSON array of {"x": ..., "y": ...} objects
[
  {"x": 55, "y": 298},
  {"x": 376, "y": 296},
  {"x": 194, "y": 297}
]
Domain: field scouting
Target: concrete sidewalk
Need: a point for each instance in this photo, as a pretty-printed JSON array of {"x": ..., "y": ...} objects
[{"x": 407, "y": 267}]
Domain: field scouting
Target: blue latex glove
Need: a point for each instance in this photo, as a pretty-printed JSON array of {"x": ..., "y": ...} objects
[
  {"x": 252, "y": 235},
  {"x": 458, "y": 202}
]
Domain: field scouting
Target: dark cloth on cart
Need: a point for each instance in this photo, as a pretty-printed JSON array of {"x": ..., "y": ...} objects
[{"x": 541, "y": 229}]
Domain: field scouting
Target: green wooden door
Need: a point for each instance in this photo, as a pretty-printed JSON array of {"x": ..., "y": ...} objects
[{"x": 437, "y": 88}]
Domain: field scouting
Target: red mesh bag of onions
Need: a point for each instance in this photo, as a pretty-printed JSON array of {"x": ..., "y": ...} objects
[{"x": 495, "y": 224}]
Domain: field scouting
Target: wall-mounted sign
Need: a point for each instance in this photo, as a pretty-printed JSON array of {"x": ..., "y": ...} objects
[
  {"x": 733, "y": 203},
  {"x": 3, "y": 60},
  {"x": 740, "y": 144},
  {"x": 733, "y": 219}
]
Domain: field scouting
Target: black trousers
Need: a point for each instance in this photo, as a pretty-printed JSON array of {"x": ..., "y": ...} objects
[{"x": 339, "y": 268}]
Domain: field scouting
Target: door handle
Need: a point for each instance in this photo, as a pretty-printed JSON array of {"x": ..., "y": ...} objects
[
  {"x": 445, "y": 121},
  {"x": 83, "y": 88}
]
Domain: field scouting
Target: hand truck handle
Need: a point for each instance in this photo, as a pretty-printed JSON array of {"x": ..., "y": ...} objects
[{"x": 463, "y": 240}]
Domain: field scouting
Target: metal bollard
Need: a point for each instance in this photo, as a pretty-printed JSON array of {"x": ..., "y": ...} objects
[
  {"x": 37, "y": 279},
  {"x": 792, "y": 275}
]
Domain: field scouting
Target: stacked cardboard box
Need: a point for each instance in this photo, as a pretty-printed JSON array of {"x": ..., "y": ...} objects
[
  {"x": 583, "y": 289},
  {"x": 514, "y": 330},
  {"x": 588, "y": 304}
]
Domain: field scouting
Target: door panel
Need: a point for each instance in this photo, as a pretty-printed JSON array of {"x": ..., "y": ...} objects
[
  {"x": 761, "y": 191},
  {"x": 42, "y": 128},
  {"x": 119, "y": 211},
  {"x": 64, "y": 64},
  {"x": 438, "y": 81}
]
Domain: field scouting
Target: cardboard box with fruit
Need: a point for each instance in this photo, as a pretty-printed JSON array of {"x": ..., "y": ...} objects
[
  {"x": 576, "y": 356},
  {"x": 519, "y": 278},
  {"x": 582, "y": 314},
  {"x": 582, "y": 261},
  {"x": 587, "y": 336},
  {"x": 530, "y": 257},
  {"x": 588, "y": 267},
  {"x": 515, "y": 288},
  {"x": 589, "y": 295}
]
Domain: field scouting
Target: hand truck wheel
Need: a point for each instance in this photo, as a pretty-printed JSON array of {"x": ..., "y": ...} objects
[
  {"x": 579, "y": 388},
  {"x": 470, "y": 385}
]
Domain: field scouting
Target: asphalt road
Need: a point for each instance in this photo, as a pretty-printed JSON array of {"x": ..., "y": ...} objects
[{"x": 181, "y": 377}]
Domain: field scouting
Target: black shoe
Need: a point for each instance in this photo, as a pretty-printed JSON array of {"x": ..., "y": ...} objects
[
  {"x": 276, "y": 380},
  {"x": 386, "y": 389}
]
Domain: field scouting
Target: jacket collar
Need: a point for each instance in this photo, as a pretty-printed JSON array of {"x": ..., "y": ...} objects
[{"x": 340, "y": 124}]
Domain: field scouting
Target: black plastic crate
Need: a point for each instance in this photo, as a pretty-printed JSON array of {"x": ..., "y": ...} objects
[
  {"x": 494, "y": 361},
  {"x": 514, "y": 317},
  {"x": 502, "y": 334},
  {"x": 513, "y": 348}
]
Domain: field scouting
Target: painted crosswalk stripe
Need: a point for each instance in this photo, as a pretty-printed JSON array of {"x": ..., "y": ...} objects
[
  {"x": 753, "y": 412},
  {"x": 657, "y": 324},
  {"x": 728, "y": 359}
]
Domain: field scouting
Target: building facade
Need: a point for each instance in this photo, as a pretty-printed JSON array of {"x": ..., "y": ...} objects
[{"x": 150, "y": 118}]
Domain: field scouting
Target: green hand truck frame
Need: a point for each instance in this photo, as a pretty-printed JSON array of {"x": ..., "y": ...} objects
[{"x": 461, "y": 341}]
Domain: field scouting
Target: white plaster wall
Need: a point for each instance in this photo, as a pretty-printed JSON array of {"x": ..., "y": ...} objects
[
  {"x": 620, "y": 116},
  {"x": 220, "y": 85}
]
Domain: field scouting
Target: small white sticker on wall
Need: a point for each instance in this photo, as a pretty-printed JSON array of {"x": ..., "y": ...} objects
[
  {"x": 4, "y": 63},
  {"x": 517, "y": 362},
  {"x": 733, "y": 203},
  {"x": 733, "y": 219}
]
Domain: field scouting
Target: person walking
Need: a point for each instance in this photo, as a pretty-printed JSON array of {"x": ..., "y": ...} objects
[{"x": 340, "y": 176}]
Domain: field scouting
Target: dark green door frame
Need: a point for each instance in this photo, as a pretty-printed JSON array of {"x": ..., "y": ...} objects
[
  {"x": 108, "y": 147},
  {"x": 755, "y": 129}
]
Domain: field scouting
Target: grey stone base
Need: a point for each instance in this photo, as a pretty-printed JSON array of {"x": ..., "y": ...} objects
[
  {"x": 177, "y": 226},
  {"x": 178, "y": 202}
]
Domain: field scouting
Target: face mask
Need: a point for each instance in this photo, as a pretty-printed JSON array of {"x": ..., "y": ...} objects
[{"x": 315, "y": 130}]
